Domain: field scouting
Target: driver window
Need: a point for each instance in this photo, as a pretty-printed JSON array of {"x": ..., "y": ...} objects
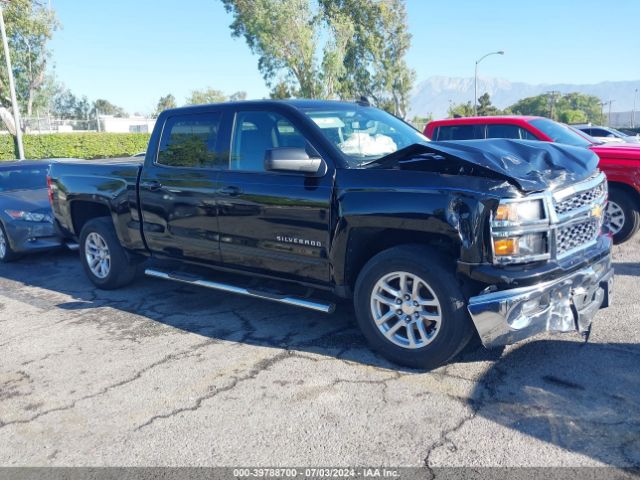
[{"x": 256, "y": 132}]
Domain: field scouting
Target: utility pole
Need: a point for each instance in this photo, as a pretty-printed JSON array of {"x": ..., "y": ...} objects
[
  {"x": 12, "y": 87},
  {"x": 553, "y": 97},
  {"x": 633, "y": 113},
  {"x": 609, "y": 119}
]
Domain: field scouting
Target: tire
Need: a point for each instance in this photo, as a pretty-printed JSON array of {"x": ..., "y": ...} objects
[
  {"x": 112, "y": 270},
  {"x": 6, "y": 252},
  {"x": 439, "y": 341},
  {"x": 623, "y": 216}
]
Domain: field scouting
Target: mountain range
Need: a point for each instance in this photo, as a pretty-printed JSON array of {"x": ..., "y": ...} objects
[{"x": 434, "y": 95}]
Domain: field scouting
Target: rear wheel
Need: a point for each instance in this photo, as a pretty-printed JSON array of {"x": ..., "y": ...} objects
[
  {"x": 622, "y": 215},
  {"x": 6, "y": 253},
  {"x": 410, "y": 309},
  {"x": 104, "y": 260}
]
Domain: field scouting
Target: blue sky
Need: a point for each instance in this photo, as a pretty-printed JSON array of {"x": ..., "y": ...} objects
[{"x": 133, "y": 51}]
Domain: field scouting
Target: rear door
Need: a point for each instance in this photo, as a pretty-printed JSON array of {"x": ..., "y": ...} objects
[
  {"x": 178, "y": 188},
  {"x": 273, "y": 222}
]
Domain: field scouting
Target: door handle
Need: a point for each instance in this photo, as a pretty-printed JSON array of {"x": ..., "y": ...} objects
[
  {"x": 152, "y": 185},
  {"x": 230, "y": 191}
]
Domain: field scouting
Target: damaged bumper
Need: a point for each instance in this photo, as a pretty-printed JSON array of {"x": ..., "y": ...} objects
[{"x": 566, "y": 304}]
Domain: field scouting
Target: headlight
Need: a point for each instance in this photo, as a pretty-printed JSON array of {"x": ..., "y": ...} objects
[
  {"x": 519, "y": 212},
  {"x": 29, "y": 216},
  {"x": 519, "y": 232}
]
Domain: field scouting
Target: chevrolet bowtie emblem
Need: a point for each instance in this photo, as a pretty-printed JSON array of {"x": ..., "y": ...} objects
[{"x": 596, "y": 211}]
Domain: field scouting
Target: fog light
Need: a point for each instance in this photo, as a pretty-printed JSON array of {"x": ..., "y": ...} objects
[{"x": 505, "y": 246}]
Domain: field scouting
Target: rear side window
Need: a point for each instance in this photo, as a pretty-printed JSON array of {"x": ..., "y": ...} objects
[
  {"x": 191, "y": 141},
  {"x": 508, "y": 131},
  {"x": 459, "y": 132}
]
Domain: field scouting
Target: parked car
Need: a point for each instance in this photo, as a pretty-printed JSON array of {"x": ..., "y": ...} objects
[
  {"x": 608, "y": 134},
  {"x": 26, "y": 222},
  {"x": 620, "y": 162},
  {"x": 433, "y": 243}
]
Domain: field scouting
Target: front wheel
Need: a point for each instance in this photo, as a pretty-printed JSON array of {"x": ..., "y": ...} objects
[
  {"x": 622, "y": 215},
  {"x": 410, "y": 309},
  {"x": 6, "y": 252},
  {"x": 104, "y": 260}
]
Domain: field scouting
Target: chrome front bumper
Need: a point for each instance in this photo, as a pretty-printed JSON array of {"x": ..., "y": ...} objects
[{"x": 567, "y": 304}]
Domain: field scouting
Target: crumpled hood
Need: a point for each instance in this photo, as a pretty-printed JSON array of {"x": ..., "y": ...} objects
[
  {"x": 26, "y": 200},
  {"x": 529, "y": 165}
]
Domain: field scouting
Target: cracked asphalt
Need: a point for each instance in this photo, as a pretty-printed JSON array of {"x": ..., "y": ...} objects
[{"x": 159, "y": 374}]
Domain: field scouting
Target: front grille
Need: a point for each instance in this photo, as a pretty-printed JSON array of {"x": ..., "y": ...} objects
[
  {"x": 577, "y": 235},
  {"x": 580, "y": 199}
]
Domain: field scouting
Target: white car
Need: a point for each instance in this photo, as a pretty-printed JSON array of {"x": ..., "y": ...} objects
[{"x": 607, "y": 134}]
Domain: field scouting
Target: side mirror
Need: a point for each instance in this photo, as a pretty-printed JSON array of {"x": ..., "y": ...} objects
[{"x": 295, "y": 160}]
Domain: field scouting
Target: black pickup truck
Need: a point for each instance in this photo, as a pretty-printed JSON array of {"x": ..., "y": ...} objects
[{"x": 434, "y": 242}]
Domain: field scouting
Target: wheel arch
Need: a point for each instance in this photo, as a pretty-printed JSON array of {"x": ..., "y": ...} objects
[
  {"x": 365, "y": 243},
  {"x": 83, "y": 211},
  {"x": 628, "y": 189}
]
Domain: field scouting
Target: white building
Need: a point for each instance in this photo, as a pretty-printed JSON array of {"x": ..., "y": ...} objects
[{"x": 109, "y": 123}]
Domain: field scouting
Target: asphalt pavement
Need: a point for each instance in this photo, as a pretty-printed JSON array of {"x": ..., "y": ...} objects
[{"x": 168, "y": 375}]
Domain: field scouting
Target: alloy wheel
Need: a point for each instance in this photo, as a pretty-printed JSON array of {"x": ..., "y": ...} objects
[
  {"x": 97, "y": 254},
  {"x": 406, "y": 310},
  {"x": 3, "y": 244},
  {"x": 614, "y": 217}
]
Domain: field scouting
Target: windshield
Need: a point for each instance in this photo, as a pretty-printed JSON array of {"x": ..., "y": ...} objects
[
  {"x": 592, "y": 140},
  {"x": 363, "y": 134},
  {"x": 617, "y": 133},
  {"x": 25, "y": 178},
  {"x": 559, "y": 133}
]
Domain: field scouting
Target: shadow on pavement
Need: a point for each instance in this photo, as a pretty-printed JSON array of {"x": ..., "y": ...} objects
[
  {"x": 584, "y": 398},
  {"x": 581, "y": 397},
  {"x": 627, "y": 268}
]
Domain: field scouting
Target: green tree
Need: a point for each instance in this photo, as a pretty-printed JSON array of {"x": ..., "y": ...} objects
[
  {"x": 165, "y": 103},
  {"x": 237, "y": 96},
  {"x": 485, "y": 108},
  {"x": 30, "y": 25},
  {"x": 461, "y": 110},
  {"x": 281, "y": 91},
  {"x": 579, "y": 108},
  {"x": 374, "y": 55},
  {"x": 207, "y": 95},
  {"x": 538, "y": 105},
  {"x": 68, "y": 106},
  {"x": 105, "y": 107},
  {"x": 569, "y": 108},
  {"x": 211, "y": 95},
  {"x": 329, "y": 48}
]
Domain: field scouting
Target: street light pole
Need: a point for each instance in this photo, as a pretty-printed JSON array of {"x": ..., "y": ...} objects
[
  {"x": 475, "y": 80},
  {"x": 12, "y": 87}
]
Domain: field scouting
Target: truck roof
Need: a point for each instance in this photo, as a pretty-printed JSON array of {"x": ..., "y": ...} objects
[
  {"x": 483, "y": 120},
  {"x": 300, "y": 103}
]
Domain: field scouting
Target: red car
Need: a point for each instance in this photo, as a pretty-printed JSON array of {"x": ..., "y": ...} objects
[{"x": 621, "y": 163}]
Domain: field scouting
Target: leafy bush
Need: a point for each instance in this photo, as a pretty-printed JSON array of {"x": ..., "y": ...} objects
[{"x": 76, "y": 145}]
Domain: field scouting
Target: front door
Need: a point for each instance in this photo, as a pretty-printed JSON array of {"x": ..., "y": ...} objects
[
  {"x": 272, "y": 222},
  {"x": 178, "y": 190}
]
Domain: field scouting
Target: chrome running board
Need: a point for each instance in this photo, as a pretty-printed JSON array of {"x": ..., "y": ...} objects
[{"x": 315, "y": 305}]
